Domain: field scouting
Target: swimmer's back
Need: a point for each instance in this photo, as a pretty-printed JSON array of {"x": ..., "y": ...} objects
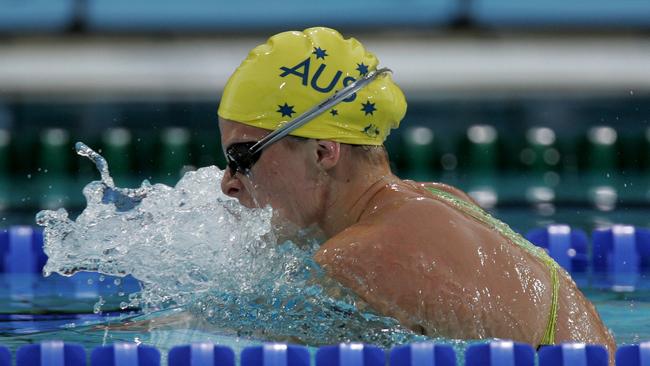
[
  {"x": 577, "y": 318},
  {"x": 383, "y": 258},
  {"x": 420, "y": 261}
]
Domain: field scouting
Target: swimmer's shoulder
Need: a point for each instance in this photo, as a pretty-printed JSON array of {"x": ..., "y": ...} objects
[
  {"x": 395, "y": 226},
  {"x": 396, "y": 219},
  {"x": 375, "y": 257},
  {"x": 445, "y": 188},
  {"x": 406, "y": 197}
]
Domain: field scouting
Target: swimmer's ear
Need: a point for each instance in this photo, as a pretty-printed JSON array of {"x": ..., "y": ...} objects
[{"x": 329, "y": 153}]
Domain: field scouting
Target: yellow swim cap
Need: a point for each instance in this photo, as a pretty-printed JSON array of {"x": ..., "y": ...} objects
[{"x": 294, "y": 71}]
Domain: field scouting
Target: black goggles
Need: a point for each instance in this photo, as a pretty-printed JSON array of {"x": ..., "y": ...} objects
[{"x": 241, "y": 157}]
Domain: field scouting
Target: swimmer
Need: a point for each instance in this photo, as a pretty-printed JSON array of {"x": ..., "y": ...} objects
[{"x": 423, "y": 253}]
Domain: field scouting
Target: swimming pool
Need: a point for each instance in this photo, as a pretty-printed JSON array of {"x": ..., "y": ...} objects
[{"x": 46, "y": 316}]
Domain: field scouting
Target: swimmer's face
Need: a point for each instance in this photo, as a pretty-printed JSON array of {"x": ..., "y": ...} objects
[{"x": 284, "y": 177}]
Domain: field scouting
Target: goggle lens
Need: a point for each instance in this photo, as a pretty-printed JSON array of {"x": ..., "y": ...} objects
[{"x": 239, "y": 157}]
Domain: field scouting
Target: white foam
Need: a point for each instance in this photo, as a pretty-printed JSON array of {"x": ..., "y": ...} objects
[
  {"x": 192, "y": 246},
  {"x": 179, "y": 241}
]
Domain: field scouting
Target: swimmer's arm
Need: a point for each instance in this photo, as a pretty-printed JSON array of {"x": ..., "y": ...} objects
[
  {"x": 375, "y": 260},
  {"x": 333, "y": 289},
  {"x": 344, "y": 260}
]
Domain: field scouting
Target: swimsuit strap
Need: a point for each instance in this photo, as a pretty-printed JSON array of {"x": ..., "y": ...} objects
[
  {"x": 549, "y": 334},
  {"x": 482, "y": 216}
]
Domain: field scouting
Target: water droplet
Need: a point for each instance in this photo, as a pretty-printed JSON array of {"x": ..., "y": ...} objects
[{"x": 97, "y": 308}]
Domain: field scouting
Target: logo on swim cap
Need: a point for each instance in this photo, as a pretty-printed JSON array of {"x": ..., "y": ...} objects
[{"x": 301, "y": 70}]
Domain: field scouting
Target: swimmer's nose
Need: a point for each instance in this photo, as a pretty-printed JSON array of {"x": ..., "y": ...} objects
[{"x": 230, "y": 185}]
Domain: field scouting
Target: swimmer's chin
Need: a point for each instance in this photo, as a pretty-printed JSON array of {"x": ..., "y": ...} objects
[
  {"x": 246, "y": 203},
  {"x": 284, "y": 229},
  {"x": 284, "y": 226}
]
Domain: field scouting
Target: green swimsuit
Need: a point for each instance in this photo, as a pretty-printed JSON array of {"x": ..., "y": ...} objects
[{"x": 480, "y": 215}]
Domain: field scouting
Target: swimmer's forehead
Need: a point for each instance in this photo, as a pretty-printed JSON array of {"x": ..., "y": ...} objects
[{"x": 233, "y": 132}]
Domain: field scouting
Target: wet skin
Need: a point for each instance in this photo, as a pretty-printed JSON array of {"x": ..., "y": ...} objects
[{"x": 406, "y": 253}]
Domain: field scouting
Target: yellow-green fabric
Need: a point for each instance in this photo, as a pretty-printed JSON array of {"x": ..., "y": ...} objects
[
  {"x": 482, "y": 216},
  {"x": 295, "y": 71}
]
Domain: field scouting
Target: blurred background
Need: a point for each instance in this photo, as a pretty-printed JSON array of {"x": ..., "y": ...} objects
[{"x": 533, "y": 104}]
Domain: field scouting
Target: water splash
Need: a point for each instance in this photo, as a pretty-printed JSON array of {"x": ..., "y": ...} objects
[
  {"x": 192, "y": 246},
  {"x": 179, "y": 242},
  {"x": 101, "y": 164}
]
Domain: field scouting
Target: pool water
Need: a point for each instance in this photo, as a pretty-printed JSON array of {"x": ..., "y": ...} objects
[
  {"x": 29, "y": 320},
  {"x": 626, "y": 316},
  {"x": 232, "y": 286}
]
